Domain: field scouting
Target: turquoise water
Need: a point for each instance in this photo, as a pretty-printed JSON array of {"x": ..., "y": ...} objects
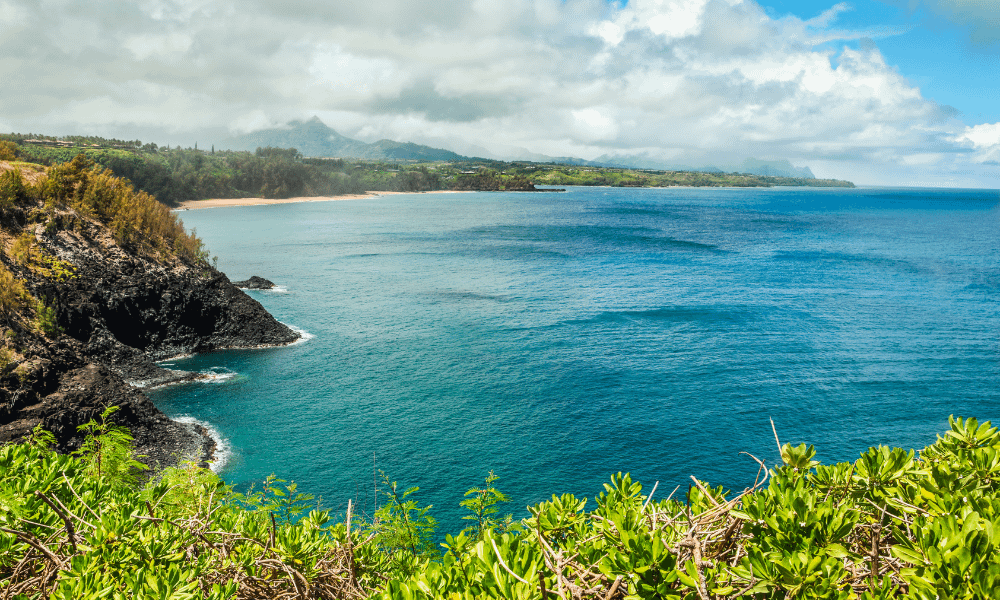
[{"x": 558, "y": 338}]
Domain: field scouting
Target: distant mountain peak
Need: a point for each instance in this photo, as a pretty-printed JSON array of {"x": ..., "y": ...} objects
[{"x": 315, "y": 138}]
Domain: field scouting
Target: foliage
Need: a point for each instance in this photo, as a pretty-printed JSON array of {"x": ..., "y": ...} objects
[
  {"x": 55, "y": 269},
  {"x": 8, "y": 150},
  {"x": 403, "y": 530},
  {"x": 28, "y": 253},
  {"x": 24, "y": 248},
  {"x": 13, "y": 191},
  {"x": 173, "y": 175},
  {"x": 282, "y": 499},
  {"x": 891, "y": 524},
  {"x": 136, "y": 219},
  {"x": 6, "y": 359},
  {"x": 482, "y": 503},
  {"x": 619, "y": 177},
  {"x": 107, "y": 451},
  {"x": 67, "y": 531},
  {"x": 12, "y": 293},
  {"x": 47, "y": 320},
  {"x": 486, "y": 180}
]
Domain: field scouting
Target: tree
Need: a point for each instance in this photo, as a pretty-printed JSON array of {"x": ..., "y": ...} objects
[{"x": 8, "y": 151}]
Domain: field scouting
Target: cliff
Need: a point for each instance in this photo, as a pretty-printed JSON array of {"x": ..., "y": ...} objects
[{"x": 95, "y": 294}]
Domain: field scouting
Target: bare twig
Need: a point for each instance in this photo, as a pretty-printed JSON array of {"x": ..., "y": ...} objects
[
  {"x": 704, "y": 491},
  {"x": 775, "y": 436},
  {"x": 70, "y": 531},
  {"x": 29, "y": 539},
  {"x": 614, "y": 588},
  {"x": 650, "y": 497},
  {"x": 504, "y": 565}
]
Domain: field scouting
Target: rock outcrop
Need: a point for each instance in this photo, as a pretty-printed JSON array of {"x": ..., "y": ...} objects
[
  {"x": 255, "y": 283},
  {"x": 118, "y": 311}
]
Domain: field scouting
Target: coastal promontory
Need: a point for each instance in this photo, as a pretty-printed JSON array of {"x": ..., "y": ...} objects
[{"x": 98, "y": 282}]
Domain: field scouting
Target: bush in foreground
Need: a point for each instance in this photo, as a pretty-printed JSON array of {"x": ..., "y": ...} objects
[{"x": 892, "y": 524}]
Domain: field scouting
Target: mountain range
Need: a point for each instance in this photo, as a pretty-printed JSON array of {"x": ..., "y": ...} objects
[{"x": 314, "y": 138}]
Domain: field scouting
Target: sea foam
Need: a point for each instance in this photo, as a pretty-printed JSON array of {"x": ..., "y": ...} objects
[
  {"x": 216, "y": 375},
  {"x": 223, "y": 451},
  {"x": 304, "y": 336},
  {"x": 277, "y": 289}
]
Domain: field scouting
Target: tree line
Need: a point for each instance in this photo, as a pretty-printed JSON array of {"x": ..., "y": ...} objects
[{"x": 174, "y": 175}]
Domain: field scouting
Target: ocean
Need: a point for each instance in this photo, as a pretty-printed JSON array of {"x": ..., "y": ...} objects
[{"x": 559, "y": 338}]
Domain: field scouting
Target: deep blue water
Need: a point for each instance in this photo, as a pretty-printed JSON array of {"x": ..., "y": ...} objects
[{"x": 559, "y": 338}]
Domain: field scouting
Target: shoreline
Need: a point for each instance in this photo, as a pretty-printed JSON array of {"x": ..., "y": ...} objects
[{"x": 227, "y": 202}]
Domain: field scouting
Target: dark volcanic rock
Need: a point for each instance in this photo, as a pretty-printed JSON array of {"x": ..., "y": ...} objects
[
  {"x": 255, "y": 283},
  {"x": 119, "y": 313}
]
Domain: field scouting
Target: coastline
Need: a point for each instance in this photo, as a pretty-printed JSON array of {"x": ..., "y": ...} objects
[{"x": 226, "y": 202}]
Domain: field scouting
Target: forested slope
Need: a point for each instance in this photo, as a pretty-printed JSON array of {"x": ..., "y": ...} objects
[{"x": 173, "y": 175}]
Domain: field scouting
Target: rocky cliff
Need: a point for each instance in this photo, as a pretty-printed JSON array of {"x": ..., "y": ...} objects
[{"x": 89, "y": 311}]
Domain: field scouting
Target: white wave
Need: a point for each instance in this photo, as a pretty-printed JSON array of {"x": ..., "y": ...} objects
[
  {"x": 223, "y": 451},
  {"x": 304, "y": 336},
  {"x": 216, "y": 375},
  {"x": 278, "y": 289}
]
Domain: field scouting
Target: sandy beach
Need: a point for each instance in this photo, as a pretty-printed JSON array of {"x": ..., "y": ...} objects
[{"x": 221, "y": 202}]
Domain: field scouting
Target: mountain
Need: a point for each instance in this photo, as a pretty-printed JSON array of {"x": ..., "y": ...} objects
[
  {"x": 776, "y": 168},
  {"x": 314, "y": 138}
]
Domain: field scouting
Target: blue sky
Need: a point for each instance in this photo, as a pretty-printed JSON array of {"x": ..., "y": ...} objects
[
  {"x": 893, "y": 92},
  {"x": 935, "y": 53}
]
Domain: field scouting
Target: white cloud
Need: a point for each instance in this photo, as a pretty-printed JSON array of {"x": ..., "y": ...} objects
[
  {"x": 144, "y": 46},
  {"x": 13, "y": 15},
  {"x": 985, "y": 135},
  {"x": 692, "y": 81},
  {"x": 253, "y": 120},
  {"x": 985, "y": 138},
  {"x": 592, "y": 125},
  {"x": 119, "y": 107},
  {"x": 345, "y": 76}
]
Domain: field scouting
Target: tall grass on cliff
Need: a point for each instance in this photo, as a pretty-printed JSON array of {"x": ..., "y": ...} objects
[
  {"x": 890, "y": 525},
  {"x": 135, "y": 218}
]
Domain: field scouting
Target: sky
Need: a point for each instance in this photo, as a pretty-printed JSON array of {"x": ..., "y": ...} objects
[{"x": 880, "y": 92}]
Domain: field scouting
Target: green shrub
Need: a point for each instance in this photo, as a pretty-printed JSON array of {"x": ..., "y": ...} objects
[
  {"x": 107, "y": 451},
  {"x": 13, "y": 192},
  {"x": 46, "y": 320},
  {"x": 23, "y": 250},
  {"x": 6, "y": 359},
  {"x": 891, "y": 524},
  {"x": 8, "y": 150},
  {"x": 136, "y": 219}
]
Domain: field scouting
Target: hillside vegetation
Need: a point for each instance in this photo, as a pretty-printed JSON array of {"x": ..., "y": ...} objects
[
  {"x": 892, "y": 524},
  {"x": 135, "y": 218},
  {"x": 59, "y": 198},
  {"x": 173, "y": 175}
]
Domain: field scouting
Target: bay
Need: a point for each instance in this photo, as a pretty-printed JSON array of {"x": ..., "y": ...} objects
[{"x": 559, "y": 338}]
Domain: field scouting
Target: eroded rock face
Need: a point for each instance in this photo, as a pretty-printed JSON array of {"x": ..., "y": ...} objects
[{"x": 120, "y": 312}]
